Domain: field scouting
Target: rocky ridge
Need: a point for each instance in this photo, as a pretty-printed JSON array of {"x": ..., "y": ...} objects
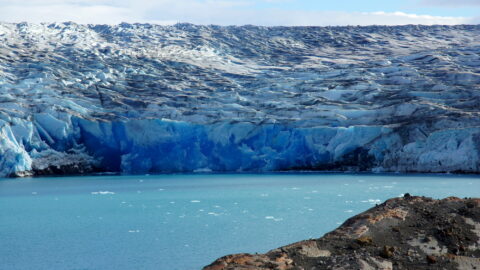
[{"x": 401, "y": 233}]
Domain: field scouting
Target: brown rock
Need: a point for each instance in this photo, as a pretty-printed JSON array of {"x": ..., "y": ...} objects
[
  {"x": 364, "y": 240},
  {"x": 387, "y": 252},
  {"x": 431, "y": 259}
]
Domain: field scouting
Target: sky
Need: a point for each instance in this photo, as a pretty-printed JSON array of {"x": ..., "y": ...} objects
[{"x": 241, "y": 12}]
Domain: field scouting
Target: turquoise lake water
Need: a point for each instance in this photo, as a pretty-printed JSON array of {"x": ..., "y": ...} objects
[{"x": 186, "y": 221}]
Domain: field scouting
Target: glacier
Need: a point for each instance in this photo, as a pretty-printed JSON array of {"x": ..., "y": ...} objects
[{"x": 143, "y": 98}]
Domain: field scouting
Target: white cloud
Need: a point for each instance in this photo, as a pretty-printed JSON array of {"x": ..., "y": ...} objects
[
  {"x": 222, "y": 12},
  {"x": 356, "y": 18},
  {"x": 451, "y": 3}
]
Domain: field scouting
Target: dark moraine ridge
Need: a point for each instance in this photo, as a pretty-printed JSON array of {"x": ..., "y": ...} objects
[{"x": 402, "y": 233}]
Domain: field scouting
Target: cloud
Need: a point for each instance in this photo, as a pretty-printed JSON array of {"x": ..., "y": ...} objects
[
  {"x": 356, "y": 18},
  {"x": 451, "y": 3},
  {"x": 221, "y": 12}
]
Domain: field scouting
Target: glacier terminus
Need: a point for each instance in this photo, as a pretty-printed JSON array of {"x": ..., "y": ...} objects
[{"x": 142, "y": 98}]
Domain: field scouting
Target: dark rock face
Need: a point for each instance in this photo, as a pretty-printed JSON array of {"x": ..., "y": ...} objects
[{"x": 402, "y": 233}]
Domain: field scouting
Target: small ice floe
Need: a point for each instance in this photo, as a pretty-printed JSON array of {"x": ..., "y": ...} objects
[
  {"x": 213, "y": 214},
  {"x": 273, "y": 218},
  {"x": 372, "y": 201},
  {"x": 339, "y": 195},
  {"x": 306, "y": 198},
  {"x": 217, "y": 206},
  {"x": 133, "y": 231},
  {"x": 314, "y": 191},
  {"x": 160, "y": 189},
  {"x": 348, "y": 211},
  {"x": 194, "y": 201},
  {"x": 310, "y": 209},
  {"x": 172, "y": 202},
  {"x": 103, "y": 193},
  {"x": 34, "y": 193},
  {"x": 140, "y": 181},
  {"x": 264, "y": 195},
  {"x": 387, "y": 186},
  {"x": 295, "y": 188}
]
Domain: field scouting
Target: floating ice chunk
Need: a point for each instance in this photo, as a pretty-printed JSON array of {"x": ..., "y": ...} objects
[
  {"x": 269, "y": 217},
  {"x": 133, "y": 231},
  {"x": 372, "y": 201},
  {"x": 103, "y": 193},
  {"x": 194, "y": 201}
]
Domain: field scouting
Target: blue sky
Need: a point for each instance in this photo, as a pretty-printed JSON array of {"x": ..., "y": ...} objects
[{"x": 238, "y": 12}]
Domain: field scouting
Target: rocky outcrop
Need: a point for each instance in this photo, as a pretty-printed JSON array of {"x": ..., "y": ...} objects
[{"x": 402, "y": 233}]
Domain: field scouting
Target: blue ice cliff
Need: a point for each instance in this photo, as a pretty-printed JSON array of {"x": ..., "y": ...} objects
[{"x": 140, "y": 98}]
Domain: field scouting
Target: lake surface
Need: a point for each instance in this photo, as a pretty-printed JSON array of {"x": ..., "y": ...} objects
[{"x": 186, "y": 221}]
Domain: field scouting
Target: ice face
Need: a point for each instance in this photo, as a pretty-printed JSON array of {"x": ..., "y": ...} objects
[{"x": 142, "y": 98}]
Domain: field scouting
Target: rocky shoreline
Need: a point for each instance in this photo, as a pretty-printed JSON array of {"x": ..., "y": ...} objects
[{"x": 402, "y": 233}]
